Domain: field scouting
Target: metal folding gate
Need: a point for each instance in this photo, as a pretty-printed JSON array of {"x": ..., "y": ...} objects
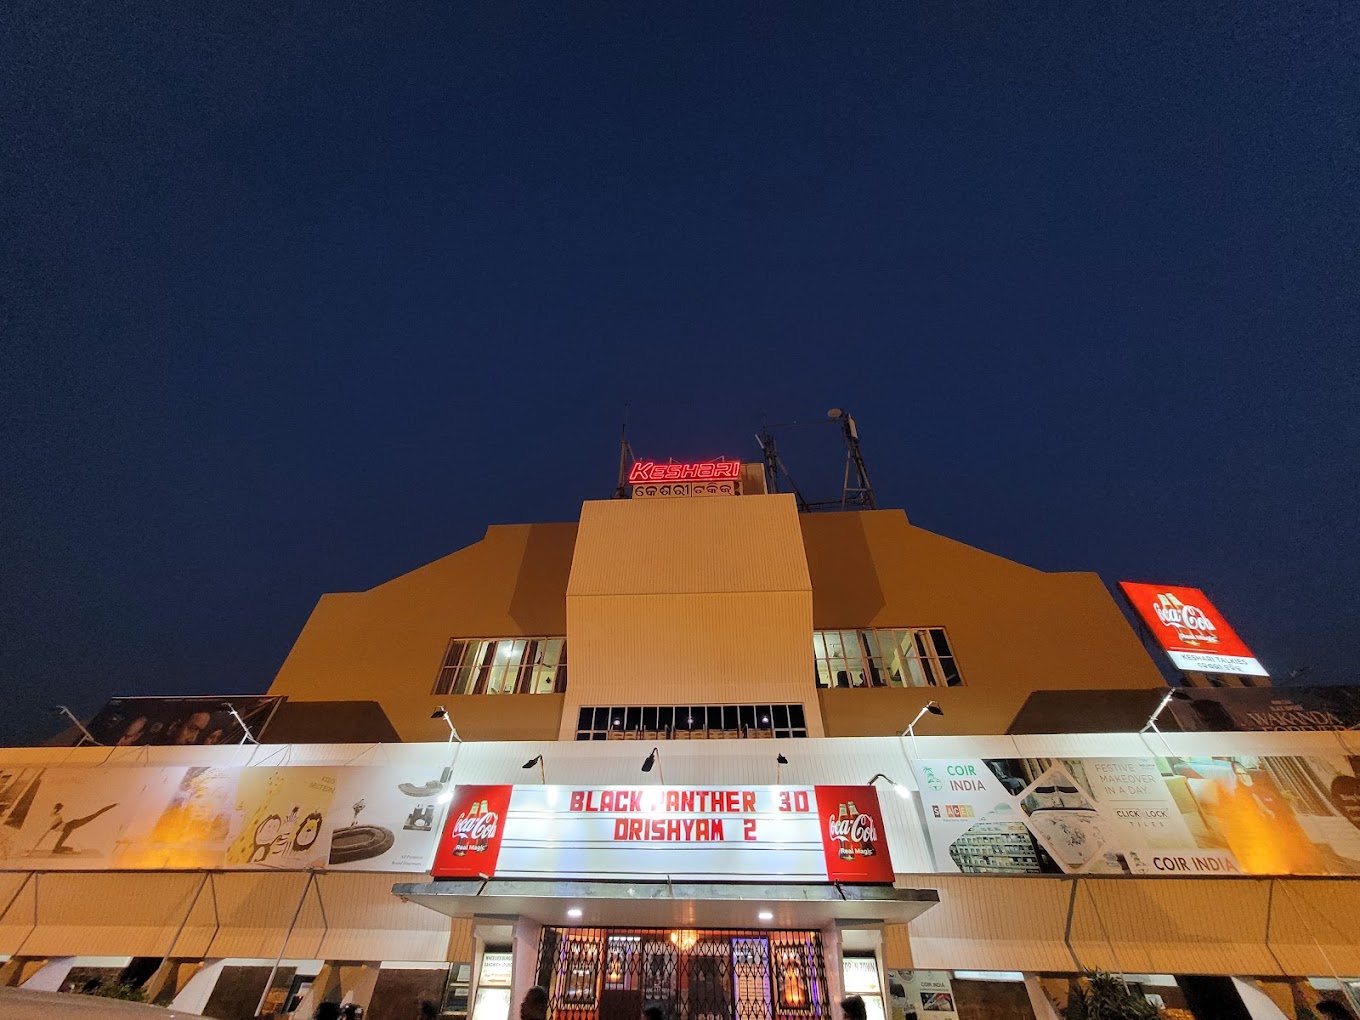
[{"x": 692, "y": 974}]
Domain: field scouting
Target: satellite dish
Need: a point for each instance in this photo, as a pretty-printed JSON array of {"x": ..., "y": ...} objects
[{"x": 834, "y": 413}]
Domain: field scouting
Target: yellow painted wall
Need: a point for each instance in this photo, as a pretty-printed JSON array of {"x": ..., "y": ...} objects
[
  {"x": 386, "y": 644},
  {"x": 680, "y": 601},
  {"x": 675, "y": 601},
  {"x": 1013, "y": 629}
]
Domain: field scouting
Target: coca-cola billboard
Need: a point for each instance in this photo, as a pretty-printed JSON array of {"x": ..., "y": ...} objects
[
  {"x": 1190, "y": 630},
  {"x": 791, "y": 833},
  {"x": 852, "y": 821},
  {"x": 471, "y": 841}
]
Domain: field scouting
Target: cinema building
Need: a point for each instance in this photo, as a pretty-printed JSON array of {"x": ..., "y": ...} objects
[{"x": 679, "y": 752}]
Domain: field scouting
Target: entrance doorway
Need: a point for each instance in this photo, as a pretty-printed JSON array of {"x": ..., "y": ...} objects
[{"x": 692, "y": 974}]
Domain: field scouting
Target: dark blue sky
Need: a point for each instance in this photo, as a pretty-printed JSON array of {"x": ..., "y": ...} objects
[{"x": 299, "y": 297}]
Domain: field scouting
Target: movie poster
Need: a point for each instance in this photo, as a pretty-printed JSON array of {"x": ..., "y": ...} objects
[
  {"x": 1286, "y": 815},
  {"x": 181, "y": 722}
]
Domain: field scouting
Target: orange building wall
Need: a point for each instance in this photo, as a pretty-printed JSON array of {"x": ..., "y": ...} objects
[
  {"x": 386, "y": 644},
  {"x": 738, "y": 621},
  {"x": 1013, "y": 629}
]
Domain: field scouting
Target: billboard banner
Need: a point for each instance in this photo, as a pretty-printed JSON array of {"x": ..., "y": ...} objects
[
  {"x": 1267, "y": 708},
  {"x": 780, "y": 833},
  {"x": 1190, "y": 630},
  {"x": 1144, "y": 816},
  {"x": 138, "y": 722},
  {"x": 922, "y": 995},
  {"x": 165, "y": 818}
]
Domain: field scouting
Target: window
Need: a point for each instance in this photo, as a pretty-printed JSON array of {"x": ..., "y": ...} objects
[
  {"x": 916, "y": 657},
  {"x": 518, "y": 665},
  {"x": 691, "y": 722}
]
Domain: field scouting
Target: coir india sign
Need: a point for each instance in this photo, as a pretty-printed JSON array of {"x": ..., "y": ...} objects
[{"x": 779, "y": 833}]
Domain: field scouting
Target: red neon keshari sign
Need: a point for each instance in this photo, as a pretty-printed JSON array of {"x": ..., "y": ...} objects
[
  {"x": 1190, "y": 630},
  {"x": 650, "y": 471}
]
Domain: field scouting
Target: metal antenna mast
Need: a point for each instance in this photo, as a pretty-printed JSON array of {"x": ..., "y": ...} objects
[
  {"x": 774, "y": 467},
  {"x": 626, "y": 458},
  {"x": 857, "y": 492},
  {"x": 861, "y": 492}
]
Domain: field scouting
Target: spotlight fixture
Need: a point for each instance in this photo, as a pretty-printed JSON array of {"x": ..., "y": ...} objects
[
  {"x": 766, "y": 915},
  {"x": 654, "y": 759},
  {"x": 539, "y": 762},
  {"x": 1175, "y": 694},
  {"x": 443, "y": 713},
  {"x": 933, "y": 707},
  {"x": 245, "y": 730},
  {"x": 898, "y": 788},
  {"x": 84, "y": 733},
  {"x": 779, "y": 762},
  {"x": 574, "y": 913}
]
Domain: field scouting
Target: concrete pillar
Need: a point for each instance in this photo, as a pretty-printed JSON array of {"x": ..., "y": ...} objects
[
  {"x": 193, "y": 997},
  {"x": 50, "y": 975},
  {"x": 526, "y": 938},
  {"x": 1038, "y": 999},
  {"x": 835, "y": 971},
  {"x": 357, "y": 981},
  {"x": 1258, "y": 1003},
  {"x": 325, "y": 987}
]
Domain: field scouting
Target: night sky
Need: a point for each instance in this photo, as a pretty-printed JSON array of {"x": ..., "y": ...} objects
[{"x": 299, "y": 297}]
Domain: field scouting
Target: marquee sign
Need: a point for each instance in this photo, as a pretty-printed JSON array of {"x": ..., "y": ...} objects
[
  {"x": 771, "y": 833},
  {"x": 707, "y": 478},
  {"x": 1190, "y": 630}
]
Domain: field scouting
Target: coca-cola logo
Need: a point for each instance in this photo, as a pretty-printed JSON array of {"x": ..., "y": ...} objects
[
  {"x": 1189, "y": 617},
  {"x": 476, "y": 827},
  {"x": 860, "y": 829}
]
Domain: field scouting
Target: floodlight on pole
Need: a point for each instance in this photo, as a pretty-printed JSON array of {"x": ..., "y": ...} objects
[
  {"x": 245, "y": 730},
  {"x": 779, "y": 762},
  {"x": 1175, "y": 694},
  {"x": 898, "y": 788},
  {"x": 655, "y": 759},
  {"x": 84, "y": 733},
  {"x": 443, "y": 713},
  {"x": 931, "y": 707},
  {"x": 539, "y": 762}
]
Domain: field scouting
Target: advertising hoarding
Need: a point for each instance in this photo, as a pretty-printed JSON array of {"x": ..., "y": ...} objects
[
  {"x": 1184, "y": 816},
  {"x": 1299, "y": 709},
  {"x": 288, "y": 817},
  {"x": 138, "y": 722},
  {"x": 1190, "y": 630},
  {"x": 779, "y": 833}
]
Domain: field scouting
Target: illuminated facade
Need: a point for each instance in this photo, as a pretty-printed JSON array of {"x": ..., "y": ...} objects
[{"x": 568, "y": 821}]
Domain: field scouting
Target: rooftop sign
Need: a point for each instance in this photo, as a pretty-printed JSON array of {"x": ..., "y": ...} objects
[
  {"x": 1190, "y": 630},
  {"x": 709, "y": 470},
  {"x": 706, "y": 478}
]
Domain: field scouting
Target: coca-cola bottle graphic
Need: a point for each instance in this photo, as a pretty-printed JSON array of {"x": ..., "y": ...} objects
[
  {"x": 861, "y": 832},
  {"x": 461, "y": 843},
  {"x": 843, "y": 823},
  {"x": 480, "y": 842}
]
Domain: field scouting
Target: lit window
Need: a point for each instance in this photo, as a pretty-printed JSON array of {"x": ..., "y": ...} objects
[
  {"x": 691, "y": 722},
  {"x": 915, "y": 657},
  {"x": 514, "y": 665}
]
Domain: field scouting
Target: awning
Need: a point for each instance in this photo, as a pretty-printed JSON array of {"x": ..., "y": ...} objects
[{"x": 665, "y": 904}]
